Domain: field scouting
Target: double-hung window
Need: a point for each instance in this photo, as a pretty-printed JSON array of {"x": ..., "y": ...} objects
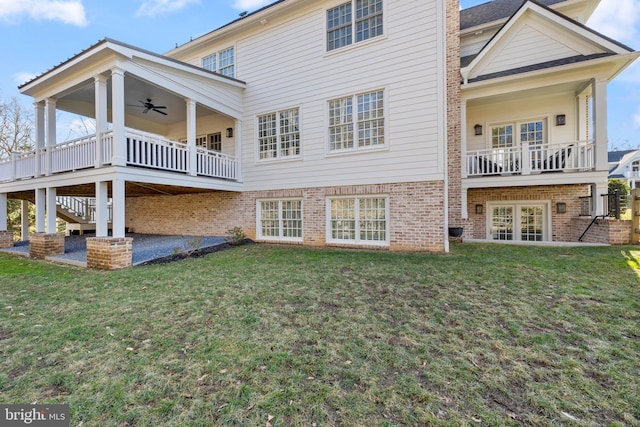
[
  {"x": 358, "y": 220},
  {"x": 280, "y": 220},
  {"x": 364, "y": 128},
  {"x": 279, "y": 134},
  {"x": 222, "y": 62},
  {"x": 344, "y": 27}
]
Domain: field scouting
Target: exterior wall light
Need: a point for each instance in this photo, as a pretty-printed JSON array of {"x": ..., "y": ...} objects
[
  {"x": 561, "y": 120},
  {"x": 478, "y": 129},
  {"x": 229, "y": 132},
  {"x": 479, "y": 209},
  {"x": 561, "y": 207}
]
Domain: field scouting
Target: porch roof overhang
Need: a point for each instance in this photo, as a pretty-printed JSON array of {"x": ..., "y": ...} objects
[
  {"x": 151, "y": 71},
  {"x": 570, "y": 75}
]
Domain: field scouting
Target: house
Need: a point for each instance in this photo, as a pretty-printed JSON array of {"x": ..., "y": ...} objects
[
  {"x": 625, "y": 165},
  {"x": 369, "y": 124}
]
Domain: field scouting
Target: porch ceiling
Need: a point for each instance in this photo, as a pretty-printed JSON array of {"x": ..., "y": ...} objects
[{"x": 132, "y": 189}]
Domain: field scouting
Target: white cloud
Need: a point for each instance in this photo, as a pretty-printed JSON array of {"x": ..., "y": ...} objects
[
  {"x": 23, "y": 77},
  {"x": 158, "y": 7},
  {"x": 250, "y": 4},
  {"x": 618, "y": 19},
  {"x": 67, "y": 11}
]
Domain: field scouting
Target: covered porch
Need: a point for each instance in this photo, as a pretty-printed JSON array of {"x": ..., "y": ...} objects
[{"x": 161, "y": 127}]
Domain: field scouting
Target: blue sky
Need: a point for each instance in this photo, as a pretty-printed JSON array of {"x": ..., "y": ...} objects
[{"x": 39, "y": 34}]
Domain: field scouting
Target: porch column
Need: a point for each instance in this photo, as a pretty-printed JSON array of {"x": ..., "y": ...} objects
[
  {"x": 101, "y": 115},
  {"x": 600, "y": 124},
  {"x": 40, "y": 138},
  {"x": 51, "y": 210},
  {"x": 24, "y": 220},
  {"x": 463, "y": 141},
  {"x": 102, "y": 209},
  {"x": 583, "y": 117},
  {"x": 191, "y": 136},
  {"x": 117, "y": 117},
  {"x": 118, "y": 200},
  {"x": 3, "y": 211},
  {"x": 40, "y": 201},
  {"x": 50, "y": 132},
  {"x": 238, "y": 150}
]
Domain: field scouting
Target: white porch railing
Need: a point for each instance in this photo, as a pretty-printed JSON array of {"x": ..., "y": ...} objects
[
  {"x": 83, "y": 207},
  {"x": 531, "y": 159},
  {"x": 632, "y": 174},
  {"x": 142, "y": 149}
]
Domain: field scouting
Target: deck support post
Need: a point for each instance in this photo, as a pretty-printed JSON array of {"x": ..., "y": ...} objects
[
  {"x": 191, "y": 137},
  {"x": 51, "y": 210},
  {"x": 40, "y": 136},
  {"x": 40, "y": 202},
  {"x": 118, "y": 206},
  {"x": 600, "y": 124},
  {"x": 24, "y": 220},
  {"x": 102, "y": 210},
  {"x": 3, "y": 211}
]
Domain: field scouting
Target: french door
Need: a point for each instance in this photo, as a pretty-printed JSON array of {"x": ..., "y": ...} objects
[{"x": 518, "y": 222}]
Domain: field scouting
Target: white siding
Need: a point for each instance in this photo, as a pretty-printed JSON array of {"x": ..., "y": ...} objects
[{"x": 285, "y": 64}]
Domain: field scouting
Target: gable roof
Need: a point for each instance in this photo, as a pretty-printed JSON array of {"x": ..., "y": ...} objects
[
  {"x": 587, "y": 44},
  {"x": 493, "y": 11}
]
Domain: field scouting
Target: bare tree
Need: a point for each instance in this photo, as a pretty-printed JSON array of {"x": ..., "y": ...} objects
[{"x": 16, "y": 128}]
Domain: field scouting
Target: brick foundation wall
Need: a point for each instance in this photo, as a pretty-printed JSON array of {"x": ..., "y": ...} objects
[
  {"x": 109, "y": 253},
  {"x": 42, "y": 245},
  {"x": 611, "y": 231},
  {"x": 416, "y": 209},
  {"x": 6, "y": 239},
  {"x": 561, "y": 224}
]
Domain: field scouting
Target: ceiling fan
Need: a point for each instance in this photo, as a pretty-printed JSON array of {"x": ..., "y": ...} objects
[{"x": 149, "y": 106}]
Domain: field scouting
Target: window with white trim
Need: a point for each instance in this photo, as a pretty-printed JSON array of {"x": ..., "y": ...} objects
[
  {"x": 519, "y": 221},
  {"x": 358, "y": 220},
  {"x": 507, "y": 135},
  {"x": 222, "y": 62},
  {"x": 342, "y": 23},
  {"x": 367, "y": 124},
  {"x": 279, "y": 134},
  {"x": 280, "y": 219}
]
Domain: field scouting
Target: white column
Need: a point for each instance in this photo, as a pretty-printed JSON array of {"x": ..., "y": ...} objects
[
  {"x": 598, "y": 190},
  {"x": 50, "y": 132},
  {"x": 51, "y": 210},
  {"x": 600, "y": 124},
  {"x": 583, "y": 117},
  {"x": 191, "y": 136},
  {"x": 102, "y": 209},
  {"x": 463, "y": 142},
  {"x": 40, "y": 209},
  {"x": 117, "y": 117},
  {"x": 118, "y": 201},
  {"x": 238, "y": 150},
  {"x": 3, "y": 211},
  {"x": 24, "y": 220},
  {"x": 101, "y": 115},
  {"x": 40, "y": 135}
]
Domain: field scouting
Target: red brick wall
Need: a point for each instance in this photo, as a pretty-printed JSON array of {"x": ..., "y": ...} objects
[
  {"x": 611, "y": 231},
  {"x": 416, "y": 209},
  {"x": 6, "y": 239},
  {"x": 42, "y": 245},
  {"x": 453, "y": 113},
  {"x": 109, "y": 253},
  {"x": 561, "y": 223}
]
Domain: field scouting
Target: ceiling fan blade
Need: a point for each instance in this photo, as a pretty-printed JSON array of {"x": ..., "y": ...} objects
[
  {"x": 146, "y": 110},
  {"x": 158, "y": 111},
  {"x": 159, "y": 106}
]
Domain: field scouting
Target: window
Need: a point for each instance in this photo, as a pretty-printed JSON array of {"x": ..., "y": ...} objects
[
  {"x": 368, "y": 122},
  {"x": 279, "y": 134},
  {"x": 358, "y": 220},
  {"x": 341, "y": 21},
  {"x": 280, "y": 220},
  {"x": 221, "y": 62},
  {"x": 532, "y": 132},
  {"x": 502, "y": 136}
]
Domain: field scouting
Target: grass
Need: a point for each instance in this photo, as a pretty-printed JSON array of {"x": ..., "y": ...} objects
[{"x": 263, "y": 335}]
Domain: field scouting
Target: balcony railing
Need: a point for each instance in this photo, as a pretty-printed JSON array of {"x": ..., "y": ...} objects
[
  {"x": 142, "y": 149},
  {"x": 531, "y": 159}
]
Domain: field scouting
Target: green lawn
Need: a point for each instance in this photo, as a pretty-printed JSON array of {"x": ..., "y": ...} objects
[{"x": 259, "y": 335}]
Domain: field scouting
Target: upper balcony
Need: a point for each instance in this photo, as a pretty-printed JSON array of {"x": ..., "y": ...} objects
[{"x": 143, "y": 149}]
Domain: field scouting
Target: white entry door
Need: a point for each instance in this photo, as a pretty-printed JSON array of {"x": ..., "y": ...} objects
[{"x": 523, "y": 221}]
